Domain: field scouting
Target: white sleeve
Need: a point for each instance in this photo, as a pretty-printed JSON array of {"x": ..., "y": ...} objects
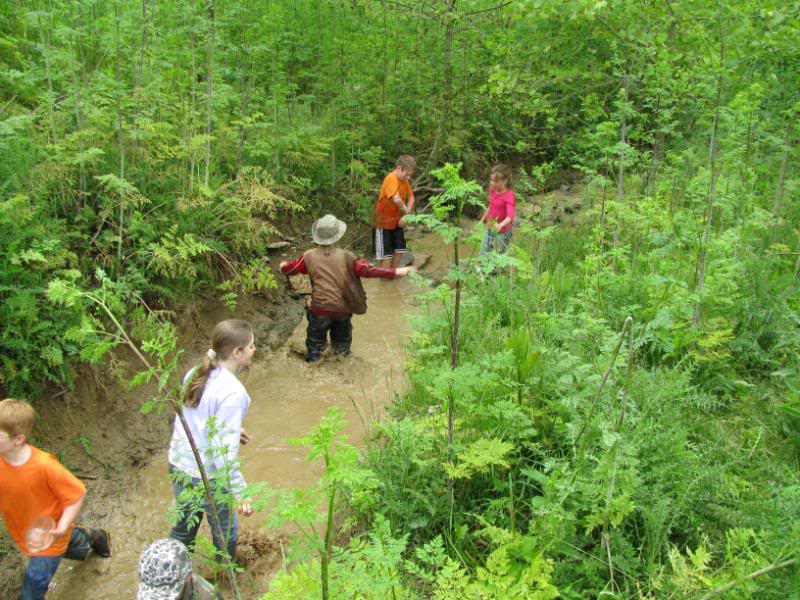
[{"x": 230, "y": 415}]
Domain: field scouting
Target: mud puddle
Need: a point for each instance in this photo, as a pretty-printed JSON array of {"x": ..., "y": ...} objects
[{"x": 288, "y": 398}]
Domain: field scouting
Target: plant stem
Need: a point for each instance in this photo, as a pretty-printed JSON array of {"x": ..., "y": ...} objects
[
  {"x": 454, "y": 361},
  {"x": 712, "y": 186},
  {"x": 325, "y": 555},
  {"x": 773, "y": 567},
  {"x": 614, "y": 355},
  {"x": 778, "y": 208},
  {"x": 178, "y": 408}
]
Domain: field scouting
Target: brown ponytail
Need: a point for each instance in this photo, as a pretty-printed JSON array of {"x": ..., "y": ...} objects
[{"x": 226, "y": 337}]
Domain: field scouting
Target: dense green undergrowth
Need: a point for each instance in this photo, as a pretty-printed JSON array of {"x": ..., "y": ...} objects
[
  {"x": 618, "y": 410},
  {"x": 604, "y": 444},
  {"x": 167, "y": 142}
]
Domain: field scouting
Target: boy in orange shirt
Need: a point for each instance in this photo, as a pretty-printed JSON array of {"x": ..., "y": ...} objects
[
  {"x": 395, "y": 201},
  {"x": 36, "y": 489}
]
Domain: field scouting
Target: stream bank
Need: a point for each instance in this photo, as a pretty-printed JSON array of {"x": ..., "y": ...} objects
[
  {"x": 95, "y": 428},
  {"x": 124, "y": 459},
  {"x": 97, "y": 432}
]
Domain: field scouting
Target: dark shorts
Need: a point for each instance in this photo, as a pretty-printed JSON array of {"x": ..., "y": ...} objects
[{"x": 389, "y": 242}]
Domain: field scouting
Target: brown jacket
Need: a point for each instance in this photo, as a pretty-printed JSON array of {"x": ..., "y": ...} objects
[{"x": 334, "y": 284}]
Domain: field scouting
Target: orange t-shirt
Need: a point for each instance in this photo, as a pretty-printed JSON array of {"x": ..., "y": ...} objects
[
  {"x": 42, "y": 486},
  {"x": 387, "y": 215}
]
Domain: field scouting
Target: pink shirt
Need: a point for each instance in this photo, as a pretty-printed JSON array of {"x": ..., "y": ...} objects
[{"x": 501, "y": 206}]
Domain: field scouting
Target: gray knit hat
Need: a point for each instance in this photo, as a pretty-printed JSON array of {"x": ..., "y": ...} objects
[
  {"x": 328, "y": 230},
  {"x": 163, "y": 568}
]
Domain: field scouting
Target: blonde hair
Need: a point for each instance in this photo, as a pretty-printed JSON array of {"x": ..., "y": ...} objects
[
  {"x": 504, "y": 172},
  {"x": 16, "y": 417},
  {"x": 406, "y": 162},
  {"x": 226, "y": 337}
]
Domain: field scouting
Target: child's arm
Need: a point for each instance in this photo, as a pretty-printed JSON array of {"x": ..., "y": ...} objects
[
  {"x": 293, "y": 267},
  {"x": 408, "y": 210},
  {"x": 403, "y": 271},
  {"x": 510, "y": 206},
  {"x": 68, "y": 517},
  {"x": 363, "y": 269},
  {"x": 229, "y": 417},
  {"x": 504, "y": 223},
  {"x": 398, "y": 202}
]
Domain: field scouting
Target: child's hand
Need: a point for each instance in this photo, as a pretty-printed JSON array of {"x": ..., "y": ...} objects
[
  {"x": 403, "y": 271},
  {"x": 401, "y": 222},
  {"x": 57, "y": 532},
  {"x": 245, "y": 509},
  {"x": 244, "y": 437},
  {"x": 282, "y": 265}
]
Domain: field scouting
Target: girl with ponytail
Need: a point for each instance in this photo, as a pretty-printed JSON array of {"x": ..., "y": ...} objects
[{"x": 214, "y": 405}]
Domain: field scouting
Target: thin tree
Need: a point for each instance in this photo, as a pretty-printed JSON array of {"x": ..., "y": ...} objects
[
  {"x": 709, "y": 213},
  {"x": 120, "y": 130},
  {"x": 211, "y": 16},
  {"x": 76, "y": 97},
  {"x": 778, "y": 207}
]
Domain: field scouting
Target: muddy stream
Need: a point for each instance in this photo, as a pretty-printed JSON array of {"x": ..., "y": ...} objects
[{"x": 288, "y": 398}]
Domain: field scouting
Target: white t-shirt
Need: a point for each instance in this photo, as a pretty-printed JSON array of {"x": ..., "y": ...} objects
[{"x": 215, "y": 425}]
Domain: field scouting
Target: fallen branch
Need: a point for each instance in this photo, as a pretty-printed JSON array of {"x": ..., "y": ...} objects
[{"x": 773, "y": 567}]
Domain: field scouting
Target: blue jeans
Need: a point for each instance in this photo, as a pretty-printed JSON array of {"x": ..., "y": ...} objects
[
  {"x": 190, "y": 515},
  {"x": 40, "y": 569},
  {"x": 495, "y": 242}
]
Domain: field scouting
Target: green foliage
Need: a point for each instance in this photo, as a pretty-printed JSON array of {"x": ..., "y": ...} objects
[
  {"x": 156, "y": 170},
  {"x": 638, "y": 477},
  {"x": 343, "y": 475},
  {"x": 32, "y": 250},
  {"x": 448, "y": 207}
]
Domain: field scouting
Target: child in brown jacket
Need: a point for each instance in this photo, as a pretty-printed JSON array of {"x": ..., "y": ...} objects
[{"x": 336, "y": 290}]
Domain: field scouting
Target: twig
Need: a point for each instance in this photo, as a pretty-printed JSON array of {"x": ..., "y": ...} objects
[
  {"x": 214, "y": 520},
  {"x": 625, "y": 326},
  {"x": 484, "y": 10},
  {"x": 7, "y": 104},
  {"x": 773, "y": 567}
]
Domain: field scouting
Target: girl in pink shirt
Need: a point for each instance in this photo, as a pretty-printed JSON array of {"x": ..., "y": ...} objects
[{"x": 499, "y": 215}]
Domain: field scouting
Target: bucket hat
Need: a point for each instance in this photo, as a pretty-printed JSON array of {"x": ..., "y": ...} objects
[
  {"x": 328, "y": 230},
  {"x": 163, "y": 569}
]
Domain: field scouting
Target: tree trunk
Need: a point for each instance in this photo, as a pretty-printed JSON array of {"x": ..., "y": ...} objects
[
  {"x": 120, "y": 133},
  {"x": 778, "y": 208},
  {"x": 658, "y": 144},
  {"x": 623, "y": 139},
  {"x": 244, "y": 83},
  {"x": 745, "y": 169},
  {"x": 701, "y": 276},
  {"x": 211, "y": 15},
  {"x": 76, "y": 97},
  {"x": 138, "y": 83},
  {"x": 445, "y": 96},
  {"x": 193, "y": 94},
  {"x": 48, "y": 75}
]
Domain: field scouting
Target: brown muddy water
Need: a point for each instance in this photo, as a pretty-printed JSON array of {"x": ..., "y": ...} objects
[{"x": 288, "y": 398}]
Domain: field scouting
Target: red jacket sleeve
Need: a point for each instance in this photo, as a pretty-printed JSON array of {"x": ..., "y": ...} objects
[
  {"x": 295, "y": 267},
  {"x": 363, "y": 269}
]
